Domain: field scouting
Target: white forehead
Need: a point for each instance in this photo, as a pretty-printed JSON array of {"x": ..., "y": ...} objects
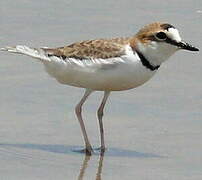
[{"x": 174, "y": 34}]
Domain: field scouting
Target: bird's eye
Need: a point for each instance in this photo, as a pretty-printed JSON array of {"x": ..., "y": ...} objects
[{"x": 161, "y": 36}]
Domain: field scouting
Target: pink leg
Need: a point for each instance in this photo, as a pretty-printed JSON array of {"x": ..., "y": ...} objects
[
  {"x": 78, "y": 110},
  {"x": 100, "y": 115}
]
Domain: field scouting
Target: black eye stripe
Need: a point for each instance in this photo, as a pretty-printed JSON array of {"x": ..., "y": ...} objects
[{"x": 173, "y": 42}]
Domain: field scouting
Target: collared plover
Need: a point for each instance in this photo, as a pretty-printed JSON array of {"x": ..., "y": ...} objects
[{"x": 108, "y": 64}]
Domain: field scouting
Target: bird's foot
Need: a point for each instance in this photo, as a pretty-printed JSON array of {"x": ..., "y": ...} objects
[
  {"x": 101, "y": 150},
  {"x": 87, "y": 150}
]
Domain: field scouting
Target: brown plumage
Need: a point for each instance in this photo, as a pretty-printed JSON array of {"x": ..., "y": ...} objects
[
  {"x": 101, "y": 48},
  {"x": 146, "y": 34}
]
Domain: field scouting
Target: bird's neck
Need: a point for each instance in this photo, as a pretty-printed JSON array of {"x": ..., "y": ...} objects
[{"x": 154, "y": 52}]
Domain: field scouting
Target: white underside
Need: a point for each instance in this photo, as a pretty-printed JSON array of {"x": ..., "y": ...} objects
[{"x": 112, "y": 74}]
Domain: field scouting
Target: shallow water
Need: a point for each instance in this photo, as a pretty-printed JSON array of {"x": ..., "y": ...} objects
[{"x": 152, "y": 132}]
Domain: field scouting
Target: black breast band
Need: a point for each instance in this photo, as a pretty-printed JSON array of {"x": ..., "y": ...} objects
[{"x": 146, "y": 63}]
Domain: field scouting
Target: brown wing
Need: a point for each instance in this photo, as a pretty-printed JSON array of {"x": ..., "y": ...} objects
[{"x": 101, "y": 48}]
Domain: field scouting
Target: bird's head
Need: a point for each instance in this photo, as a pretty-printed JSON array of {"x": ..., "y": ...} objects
[{"x": 158, "y": 41}]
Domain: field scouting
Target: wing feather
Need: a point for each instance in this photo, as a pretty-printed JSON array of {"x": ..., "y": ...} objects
[{"x": 91, "y": 49}]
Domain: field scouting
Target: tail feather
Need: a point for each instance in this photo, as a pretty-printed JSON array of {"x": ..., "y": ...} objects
[{"x": 33, "y": 52}]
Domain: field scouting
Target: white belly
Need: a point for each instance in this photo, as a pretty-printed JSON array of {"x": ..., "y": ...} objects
[{"x": 112, "y": 74}]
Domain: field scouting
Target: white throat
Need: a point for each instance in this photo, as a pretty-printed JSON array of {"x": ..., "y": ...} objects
[{"x": 156, "y": 52}]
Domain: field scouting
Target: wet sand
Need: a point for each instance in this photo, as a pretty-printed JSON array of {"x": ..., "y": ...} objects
[{"x": 152, "y": 132}]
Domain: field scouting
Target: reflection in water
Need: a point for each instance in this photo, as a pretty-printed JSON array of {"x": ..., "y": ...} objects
[
  {"x": 85, "y": 165},
  {"x": 99, "y": 169},
  {"x": 37, "y": 158}
]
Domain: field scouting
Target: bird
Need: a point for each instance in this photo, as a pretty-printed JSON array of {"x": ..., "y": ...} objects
[{"x": 108, "y": 65}]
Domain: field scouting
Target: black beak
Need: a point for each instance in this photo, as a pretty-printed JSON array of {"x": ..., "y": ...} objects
[
  {"x": 182, "y": 45},
  {"x": 186, "y": 46}
]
